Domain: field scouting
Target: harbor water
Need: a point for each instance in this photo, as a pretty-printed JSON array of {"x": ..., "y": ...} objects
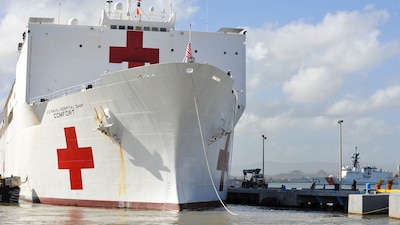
[{"x": 27, "y": 213}]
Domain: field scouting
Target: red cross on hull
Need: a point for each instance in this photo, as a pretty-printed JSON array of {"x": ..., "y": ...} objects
[
  {"x": 74, "y": 158},
  {"x": 134, "y": 53}
]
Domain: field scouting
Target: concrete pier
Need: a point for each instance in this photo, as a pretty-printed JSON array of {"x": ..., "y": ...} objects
[
  {"x": 394, "y": 205},
  {"x": 375, "y": 202},
  {"x": 367, "y": 204},
  {"x": 300, "y": 198}
]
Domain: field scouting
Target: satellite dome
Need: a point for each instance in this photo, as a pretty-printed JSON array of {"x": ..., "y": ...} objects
[
  {"x": 118, "y": 6},
  {"x": 73, "y": 21}
]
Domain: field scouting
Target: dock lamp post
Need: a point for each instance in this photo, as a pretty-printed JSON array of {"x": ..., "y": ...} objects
[
  {"x": 340, "y": 154},
  {"x": 263, "y": 138}
]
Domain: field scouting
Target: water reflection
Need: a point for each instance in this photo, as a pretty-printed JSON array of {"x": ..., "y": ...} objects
[{"x": 27, "y": 213}]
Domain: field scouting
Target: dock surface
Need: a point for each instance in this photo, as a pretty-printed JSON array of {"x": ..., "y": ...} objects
[{"x": 300, "y": 198}]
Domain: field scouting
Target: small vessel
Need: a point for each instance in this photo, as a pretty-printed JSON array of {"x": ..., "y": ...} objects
[
  {"x": 357, "y": 173},
  {"x": 363, "y": 174},
  {"x": 129, "y": 113}
]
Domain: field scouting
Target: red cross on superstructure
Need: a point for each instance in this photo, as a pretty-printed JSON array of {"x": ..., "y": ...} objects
[
  {"x": 74, "y": 158},
  {"x": 223, "y": 160},
  {"x": 134, "y": 53}
]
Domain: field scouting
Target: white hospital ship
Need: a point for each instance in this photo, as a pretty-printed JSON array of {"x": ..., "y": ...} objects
[{"x": 130, "y": 113}]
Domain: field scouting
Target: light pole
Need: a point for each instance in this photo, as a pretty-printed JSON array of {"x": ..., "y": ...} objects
[
  {"x": 340, "y": 154},
  {"x": 264, "y": 138}
]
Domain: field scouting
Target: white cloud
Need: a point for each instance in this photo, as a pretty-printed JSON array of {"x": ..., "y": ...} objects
[
  {"x": 381, "y": 100},
  {"x": 303, "y": 77},
  {"x": 312, "y": 84},
  {"x": 348, "y": 106},
  {"x": 389, "y": 97},
  {"x": 254, "y": 124},
  {"x": 320, "y": 123},
  {"x": 369, "y": 132},
  {"x": 258, "y": 52},
  {"x": 342, "y": 43}
]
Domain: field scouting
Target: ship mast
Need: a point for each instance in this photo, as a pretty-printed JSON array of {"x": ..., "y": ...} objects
[
  {"x": 109, "y": 7},
  {"x": 356, "y": 157},
  {"x": 128, "y": 10}
]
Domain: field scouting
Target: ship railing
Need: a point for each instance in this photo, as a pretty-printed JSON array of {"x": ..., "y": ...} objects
[
  {"x": 65, "y": 92},
  {"x": 116, "y": 12},
  {"x": 148, "y": 16}
]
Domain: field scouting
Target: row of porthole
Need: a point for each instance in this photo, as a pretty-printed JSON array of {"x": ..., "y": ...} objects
[{"x": 195, "y": 51}]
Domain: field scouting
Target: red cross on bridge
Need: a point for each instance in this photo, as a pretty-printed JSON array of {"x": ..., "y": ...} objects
[
  {"x": 134, "y": 53},
  {"x": 74, "y": 158},
  {"x": 223, "y": 160}
]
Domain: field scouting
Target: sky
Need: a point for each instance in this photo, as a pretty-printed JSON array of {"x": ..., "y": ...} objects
[{"x": 310, "y": 63}]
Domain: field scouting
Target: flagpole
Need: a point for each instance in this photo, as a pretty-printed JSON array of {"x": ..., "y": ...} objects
[
  {"x": 190, "y": 32},
  {"x": 207, "y": 16}
]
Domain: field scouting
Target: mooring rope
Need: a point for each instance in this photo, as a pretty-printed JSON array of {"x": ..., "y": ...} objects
[
  {"x": 205, "y": 152},
  {"x": 376, "y": 210}
]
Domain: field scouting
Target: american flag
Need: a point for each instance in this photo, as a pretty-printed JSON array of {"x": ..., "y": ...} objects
[
  {"x": 189, "y": 51},
  {"x": 138, "y": 6}
]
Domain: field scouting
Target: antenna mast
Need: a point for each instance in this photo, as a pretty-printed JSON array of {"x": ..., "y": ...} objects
[
  {"x": 128, "y": 10},
  {"x": 207, "y": 16},
  {"x": 59, "y": 9},
  {"x": 109, "y": 7}
]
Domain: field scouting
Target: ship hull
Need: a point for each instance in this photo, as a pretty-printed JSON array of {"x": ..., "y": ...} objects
[
  {"x": 151, "y": 137},
  {"x": 364, "y": 177},
  {"x": 359, "y": 178}
]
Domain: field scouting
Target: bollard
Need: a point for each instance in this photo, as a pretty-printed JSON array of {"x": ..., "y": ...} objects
[{"x": 367, "y": 187}]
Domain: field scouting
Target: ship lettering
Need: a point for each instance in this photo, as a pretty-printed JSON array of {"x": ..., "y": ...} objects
[
  {"x": 64, "y": 108},
  {"x": 64, "y": 113}
]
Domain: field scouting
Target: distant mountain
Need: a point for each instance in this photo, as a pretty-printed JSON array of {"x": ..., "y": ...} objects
[
  {"x": 290, "y": 170},
  {"x": 296, "y": 174}
]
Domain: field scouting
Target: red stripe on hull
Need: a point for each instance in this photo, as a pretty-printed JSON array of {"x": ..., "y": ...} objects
[
  {"x": 330, "y": 180},
  {"x": 129, "y": 205}
]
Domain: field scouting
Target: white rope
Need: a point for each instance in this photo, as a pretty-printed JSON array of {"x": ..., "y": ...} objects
[
  {"x": 205, "y": 153},
  {"x": 375, "y": 211}
]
